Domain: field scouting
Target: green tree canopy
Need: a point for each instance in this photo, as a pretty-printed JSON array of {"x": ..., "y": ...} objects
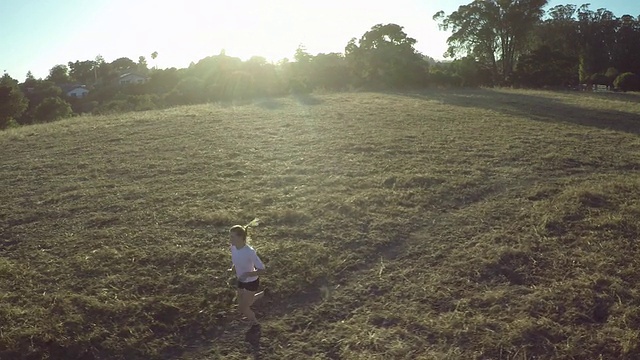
[
  {"x": 142, "y": 65},
  {"x": 546, "y": 67},
  {"x": 329, "y": 71},
  {"x": 385, "y": 57},
  {"x": 59, "y": 74},
  {"x": 52, "y": 109},
  {"x": 123, "y": 64},
  {"x": 12, "y": 101},
  {"x": 83, "y": 72},
  {"x": 492, "y": 31},
  {"x": 36, "y": 93}
]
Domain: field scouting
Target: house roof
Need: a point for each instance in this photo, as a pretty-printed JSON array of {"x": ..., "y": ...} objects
[
  {"x": 132, "y": 74},
  {"x": 78, "y": 87},
  {"x": 68, "y": 87}
]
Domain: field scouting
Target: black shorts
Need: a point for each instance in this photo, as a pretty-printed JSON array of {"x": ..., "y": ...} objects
[{"x": 251, "y": 286}]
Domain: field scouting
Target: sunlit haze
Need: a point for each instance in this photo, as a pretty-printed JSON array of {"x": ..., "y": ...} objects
[{"x": 36, "y": 35}]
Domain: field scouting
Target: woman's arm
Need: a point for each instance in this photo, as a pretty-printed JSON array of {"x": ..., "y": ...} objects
[
  {"x": 258, "y": 265},
  {"x": 254, "y": 273}
]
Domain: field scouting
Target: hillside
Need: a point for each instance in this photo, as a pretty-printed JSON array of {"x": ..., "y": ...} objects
[{"x": 467, "y": 224}]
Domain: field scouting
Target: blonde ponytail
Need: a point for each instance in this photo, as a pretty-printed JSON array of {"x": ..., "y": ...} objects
[{"x": 253, "y": 223}]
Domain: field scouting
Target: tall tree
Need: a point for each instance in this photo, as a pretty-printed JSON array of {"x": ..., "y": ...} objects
[
  {"x": 12, "y": 100},
  {"x": 142, "y": 65},
  {"x": 547, "y": 67},
  {"x": 596, "y": 38},
  {"x": 36, "y": 93},
  {"x": 29, "y": 76},
  {"x": 626, "y": 52},
  {"x": 59, "y": 74},
  {"x": 385, "y": 57},
  {"x": 99, "y": 60},
  {"x": 154, "y": 56},
  {"x": 104, "y": 71},
  {"x": 301, "y": 55},
  {"x": 82, "y": 71},
  {"x": 492, "y": 31},
  {"x": 163, "y": 80},
  {"x": 329, "y": 71},
  {"x": 123, "y": 64},
  {"x": 215, "y": 69},
  {"x": 558, "y": 32},
  {"x": 265, "y": 79},
  {"x": 298, "y": 72},
  {"x": 29, "y": 81},
  {"x": 602, "y": 44}
]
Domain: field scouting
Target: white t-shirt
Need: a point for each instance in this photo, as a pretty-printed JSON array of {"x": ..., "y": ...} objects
[{"x": 245, "y": 260}]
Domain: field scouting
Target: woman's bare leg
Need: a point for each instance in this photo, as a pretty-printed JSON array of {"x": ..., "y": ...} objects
[
  {"x": 246, "y": 299},
  {"x": 257, "y": 296}
]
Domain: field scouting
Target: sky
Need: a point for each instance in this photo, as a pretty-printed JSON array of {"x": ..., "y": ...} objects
[{"x": 35, "y": 35}]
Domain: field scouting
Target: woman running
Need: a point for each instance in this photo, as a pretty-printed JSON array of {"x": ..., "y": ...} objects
[{"x": 248, "y": 267}]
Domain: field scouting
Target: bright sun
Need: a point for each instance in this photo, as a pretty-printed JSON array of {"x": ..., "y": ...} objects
[
  {"x": 193, "y": 29},
  {"x": 201, "y": 28}
]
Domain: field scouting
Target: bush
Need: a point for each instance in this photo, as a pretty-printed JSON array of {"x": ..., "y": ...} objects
[
  {"x": 190, "y": 91},
  {"x": 114, "y": 106},
  {"x": 174, "y": 98},
  {"x": 627, "y": 82},
  {"x": 239, "y": 86},
  {"x": 600, "y": 79},
  {"x": 103, "y": 94},
  {"x": 52, "y": 109},
  {"x": 298, "y": 86},
  {"x": 611, "y": 74},
  {"x": 89, "y": 106},
  {"x": 12, "y": 123},
  {"x": 12, "y": 104},
  {"x": 143, "y": 102},
  {"x": 439, "y": 78}
]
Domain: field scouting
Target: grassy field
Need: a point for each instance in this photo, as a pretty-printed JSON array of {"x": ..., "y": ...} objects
[{"x": 471, "y": 224}]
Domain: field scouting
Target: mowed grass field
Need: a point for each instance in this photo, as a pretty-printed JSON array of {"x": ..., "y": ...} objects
[{"x": 470, "y": 224}]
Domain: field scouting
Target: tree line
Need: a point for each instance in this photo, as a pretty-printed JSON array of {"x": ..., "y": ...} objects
[
  {"x": 516, "y": 43},
  {"x": 492, "y": 43}
]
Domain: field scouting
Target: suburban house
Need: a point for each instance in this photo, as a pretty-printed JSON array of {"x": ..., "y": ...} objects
[
  {"x": 132, "y": 78},
  {"x": 74, "y": 90},
  {"x": 78, "y": 92}
]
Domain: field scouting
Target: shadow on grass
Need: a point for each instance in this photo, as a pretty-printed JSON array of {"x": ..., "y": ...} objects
[
  {"x": 269, "y": 104},
  {"x": 275, "y": 103},
  {"x": 628, "y": 96},
  {"x": 540, "y": 108},
  {"x": 252, "y": 337},
  {"x": 306, "y": 99},
  {"x": 270, "y": 308}
]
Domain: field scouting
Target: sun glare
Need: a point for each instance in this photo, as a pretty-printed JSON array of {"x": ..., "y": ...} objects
[
  {"x": 198, "y": 29},
  {"x": 191, "y": 30}
]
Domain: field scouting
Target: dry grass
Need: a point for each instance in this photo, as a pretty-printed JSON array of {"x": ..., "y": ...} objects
[{"x": 440, "y": 225}]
